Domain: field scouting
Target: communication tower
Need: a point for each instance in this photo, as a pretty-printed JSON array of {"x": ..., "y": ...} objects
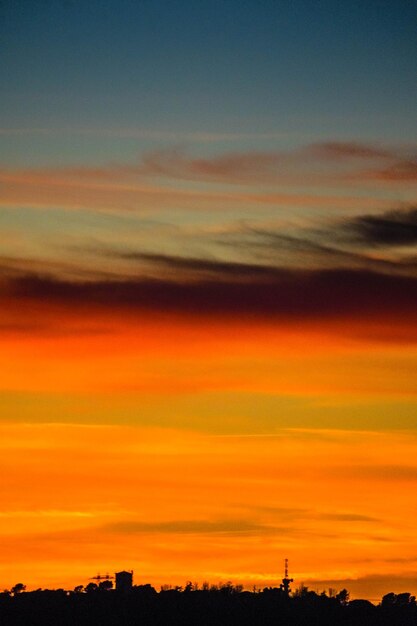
[{"x": 286, "y": 581}]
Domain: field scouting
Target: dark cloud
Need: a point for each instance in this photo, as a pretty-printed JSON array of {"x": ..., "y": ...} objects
[
  {"x": 393, "y": 228},
  {"x": 313, "y": 249},
  {"x": 281, "y": 294},
  {"x": 275, "y": 253},
  {"x": 322, "y": 274}
]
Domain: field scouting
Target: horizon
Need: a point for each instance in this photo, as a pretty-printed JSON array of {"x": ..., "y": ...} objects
[
  {"x": 208, "y": 303},
  {"x": 206, "y": 585}
]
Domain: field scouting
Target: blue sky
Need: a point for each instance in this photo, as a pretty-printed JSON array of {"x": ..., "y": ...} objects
[{"x": 294, "y": 71}]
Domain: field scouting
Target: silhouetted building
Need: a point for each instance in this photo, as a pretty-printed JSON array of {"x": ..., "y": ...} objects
[{"x": 124, "y": 581}]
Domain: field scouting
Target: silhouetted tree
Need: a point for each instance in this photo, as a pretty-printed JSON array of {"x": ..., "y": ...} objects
[
  {"x": 343, "y": 597},
  {"x": 405, "y": 599},
  {"x": 301, "y": 592},
  {"x": 91, "y": 587},
  {"x": 18, "y": 588},
  {"x": 105, "y": 585},
  {"x": 145, "y": 590},
  {"x": 388, "y": 600}
]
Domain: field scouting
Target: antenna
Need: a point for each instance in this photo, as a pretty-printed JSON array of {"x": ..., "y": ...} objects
[{"x": 286, "y": 581}]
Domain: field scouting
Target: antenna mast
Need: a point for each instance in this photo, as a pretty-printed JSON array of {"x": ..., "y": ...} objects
[{"x": 286, "y": 581}]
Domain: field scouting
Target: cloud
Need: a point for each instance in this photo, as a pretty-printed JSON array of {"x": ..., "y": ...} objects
[
  {"x": 231, "y": 167},
  {"x": 128, "y": 187},
  {"x": 325, "y": 249},
  {"x": 392, "y": 228},
  {"x": 193, "y": 267},
  {"x": 222, "y": 526},
  {"x": 347, "y": 517},
  {"x": 142, "y": 185},
  {"x": 299, "y": 514},
  {"x": 399, "y": 171},
  {"x": 321, "y": 293},
  {"x": 349, "y": 150},
  {"x": 239, "y": 526},
  {"x": 384, "y": 473},
  {"x": 294, "y": 274},
  {"x": 107, "y": 188},
  {"x": 333, "y": 161},
  {"x": 336, "y": 245}
]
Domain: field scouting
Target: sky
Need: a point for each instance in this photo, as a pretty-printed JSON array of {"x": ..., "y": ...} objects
[{"x": 208, "y": 222}]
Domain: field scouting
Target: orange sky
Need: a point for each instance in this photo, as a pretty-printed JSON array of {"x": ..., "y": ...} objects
[
  {"x": 208, "y": 293},
  {"x": 173, "y": 504},
  {"x": 240, "y": 445}
]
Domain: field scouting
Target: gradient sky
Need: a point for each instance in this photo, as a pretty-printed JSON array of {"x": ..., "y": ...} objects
[{"x": 208, "y": 292}]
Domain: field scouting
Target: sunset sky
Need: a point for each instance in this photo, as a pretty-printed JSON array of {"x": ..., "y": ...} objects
[{"x": 208, "y": 292}]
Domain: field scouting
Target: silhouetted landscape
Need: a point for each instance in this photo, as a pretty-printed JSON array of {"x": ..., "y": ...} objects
[{"x": 206, "y": 605}]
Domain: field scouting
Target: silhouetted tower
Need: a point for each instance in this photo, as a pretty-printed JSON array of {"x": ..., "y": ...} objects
[
  {"x": 124, "y": 581},
  {"x": 285, "y": 585}
]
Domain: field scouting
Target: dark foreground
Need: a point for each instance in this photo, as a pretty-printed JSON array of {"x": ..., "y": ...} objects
[{"x": 143, "y": 606}]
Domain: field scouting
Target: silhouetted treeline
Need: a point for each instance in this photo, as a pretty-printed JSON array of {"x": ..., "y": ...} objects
[{"x": 223, "y": 605}]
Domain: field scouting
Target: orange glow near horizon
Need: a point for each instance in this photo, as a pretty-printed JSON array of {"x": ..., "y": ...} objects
[
  {"x": 174, "y": 505},
  {"x": 193, "y": 488}
]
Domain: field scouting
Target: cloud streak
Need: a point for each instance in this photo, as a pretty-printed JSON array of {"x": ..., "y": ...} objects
[
  {"x": 262, "y": 294},
  {"x": 164, "y": 179},
  {"x": 332, "y": 162},
  {"x": 226, "y": 527},
  {"x": 329, "y": 273},
  {"x": 121, "y": 188}
]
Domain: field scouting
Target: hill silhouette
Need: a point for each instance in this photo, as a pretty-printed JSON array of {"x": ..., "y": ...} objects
[{"x": 215, "y": 605}]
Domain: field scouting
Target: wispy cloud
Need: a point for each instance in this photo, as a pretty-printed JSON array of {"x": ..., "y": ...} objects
[
  {"x": 403, "y": 170},
  {"x": 124, "y": 188},
  {"x": 268, "y": 249},
  {"x": 165, "y": 179},
  {"x": 332, "y": 162},
  {"x": 226, "y": 526},
  {"x": 347, "y": 517},
  {"x": 349, "y": 150}
]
